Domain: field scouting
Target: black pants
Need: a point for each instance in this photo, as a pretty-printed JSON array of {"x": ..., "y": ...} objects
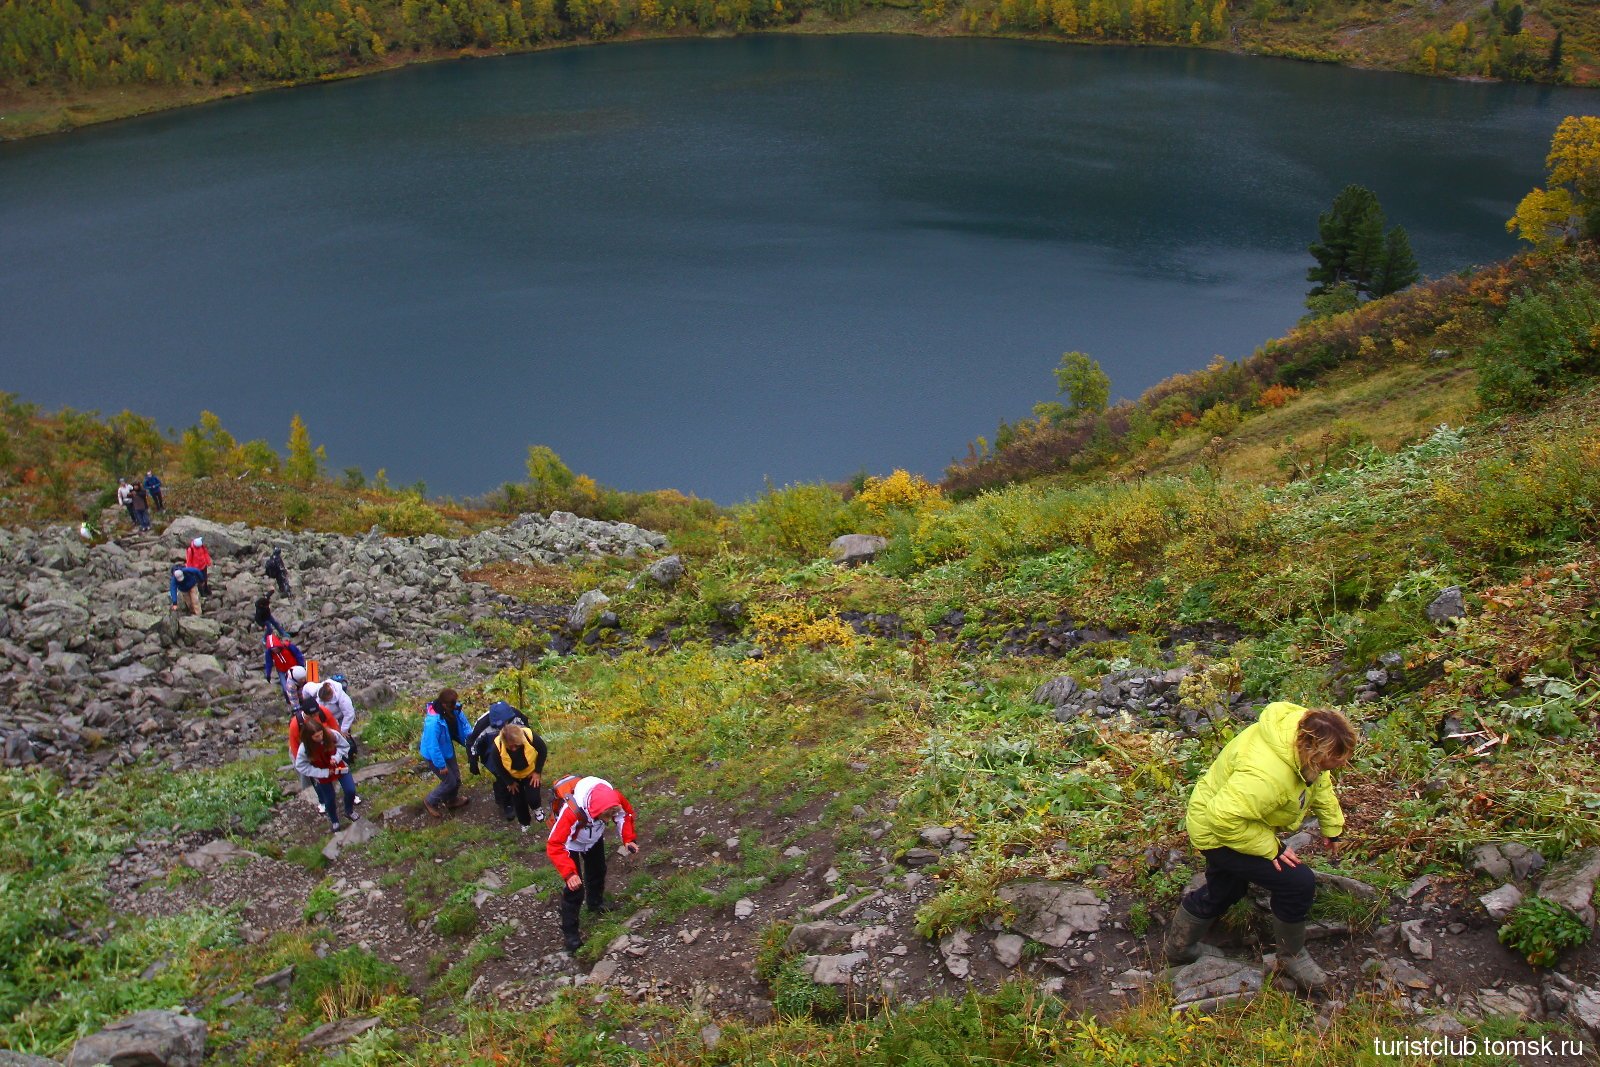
[
  {"x": 155, "y": 498},
  {"x": 524, "y": 801},
  {"x": 592, "y": 869},
  {"x": 1229, "y": 875}
]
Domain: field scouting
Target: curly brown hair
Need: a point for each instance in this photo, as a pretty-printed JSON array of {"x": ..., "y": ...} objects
[{"x": 1325, "y": 738}]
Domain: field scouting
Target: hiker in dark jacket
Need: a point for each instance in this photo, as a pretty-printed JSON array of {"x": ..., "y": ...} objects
[
  {"x": 443, "y": 727},
  {"x": 139, "y": 504},
  {"x": 278, "y": 572},
  {"x": 152, "y": 486},
  {"x": 515, "y": 756},
  {"x": 185, "y": 581},
  {"x": 490, "y": 723},
  {"x": 267, "y": 622}
]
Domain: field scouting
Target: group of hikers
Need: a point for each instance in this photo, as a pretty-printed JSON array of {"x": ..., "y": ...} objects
[
  {"x": 501, "y": 741},
  {"x": 1266, "y": 781},
  {"x": 137, "y": 498}
]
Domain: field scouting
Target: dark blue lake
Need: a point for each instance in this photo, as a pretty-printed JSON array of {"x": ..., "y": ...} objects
[{"x": 703, "y": 264}]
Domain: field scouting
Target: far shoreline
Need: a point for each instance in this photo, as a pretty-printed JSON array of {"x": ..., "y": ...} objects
[{"x": 44, "y": 112}]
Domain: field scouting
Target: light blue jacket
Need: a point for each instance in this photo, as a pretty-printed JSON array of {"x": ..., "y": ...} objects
[{"x": 438, "y": 745}]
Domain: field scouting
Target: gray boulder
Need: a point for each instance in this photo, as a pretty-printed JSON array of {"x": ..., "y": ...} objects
[
  {"x": 666, "y": 572},
  {"x": 1054, "y": 912},
  {"x": 22, "y": 1059},
  {"x": 1570, "y": 883},
  {"x": 1214, "y": 980},
  {"x": 832, "y": 970},
  {"x": 852, "y": 550},
  {"x": 1502, "y": 902},
  {"x": 144, "y": 1039},
  {"x": 1449, "y": 604},
  {"x": 199, "y": 667},
  {"x": 357, "y": 833},
  {"x": 1007, "y": 949},
  {"x": 1057, "y": 691},
  {"x": 214, "y": 854},
  {"x": 817, "y": 937},
  {"x": 588, "y": 605},
  {"x": 218, "y": 538},
  {"x": 339, "y": 1032}
]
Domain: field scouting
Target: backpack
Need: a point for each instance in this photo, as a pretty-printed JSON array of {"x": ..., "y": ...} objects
[
  {"x": 561, "y": 793},
  {"x": 274, "y": 566}
]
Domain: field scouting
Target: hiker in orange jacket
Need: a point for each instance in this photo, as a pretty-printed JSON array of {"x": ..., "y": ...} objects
[{"x": 582, "y": 807}]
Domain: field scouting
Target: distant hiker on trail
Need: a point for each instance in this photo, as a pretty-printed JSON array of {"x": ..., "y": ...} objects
[
  {"x": 185, "y": 582},
  {"x": 582, "y": 807},
  {"x": 489, "y": 724},
  {"x": 139, "y": 504},
  {"x": 285, "y": 658},
  {"x": 277, "y": 571},
  {"x": 152, "y": 486},
  {"x": 1264, "y": 781},
  {"x": 320, "y": 754},
  {"x": 515, "y": 756},
  {"x": 443, "y": 727},
  {"x": 125, "y": 500},
  {"x": 198, "y": 556},
  {"x": 268, "y": 624}
]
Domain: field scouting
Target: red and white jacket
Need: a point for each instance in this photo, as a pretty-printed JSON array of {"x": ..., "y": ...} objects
[{"x": 576, "y": 831}]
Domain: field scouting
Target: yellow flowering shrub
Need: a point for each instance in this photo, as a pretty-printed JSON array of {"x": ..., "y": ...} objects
[
  {"x": 782, "y": 627},
  {"x": 901, "y": 490}
]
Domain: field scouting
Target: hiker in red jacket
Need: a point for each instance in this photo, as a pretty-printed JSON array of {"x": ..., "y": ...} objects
[
  {"x": 198, "y": 556},
  {"x": 582, "y": 807},
  {"x": 321, "y": 754}
]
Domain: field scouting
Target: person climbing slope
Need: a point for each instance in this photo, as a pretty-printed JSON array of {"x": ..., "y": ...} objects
[
  {"x": 198, "y": 556},
  {"x": 268, "y": 622},
  {"x": 1266, "y": 780},
  {"x": 184, "y": 581},
  {"x": 490, "y": 723},
  {"x": 319, "y": 754},
  {"x": 152, "y": 488},
  {"x": 443, "y": 728},
  {"x": 582, "y": 807},
  {"x": 515, "y": 756},
  {"x": 278, "y": 653},
  {"x": 297, "y": 720}
]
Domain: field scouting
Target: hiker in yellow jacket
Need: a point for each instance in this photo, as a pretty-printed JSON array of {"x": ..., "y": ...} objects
[{"x": 1266, "y": 780}]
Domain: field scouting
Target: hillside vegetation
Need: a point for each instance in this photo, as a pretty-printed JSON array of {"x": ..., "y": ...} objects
[
  {"x": 64, "y": 63},
  {"x": 1275, "y": 528}
]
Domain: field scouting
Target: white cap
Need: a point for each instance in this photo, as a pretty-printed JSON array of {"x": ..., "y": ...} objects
[
  {"x": 298, "y": 673},
  {"x": 198, "y": 541}
]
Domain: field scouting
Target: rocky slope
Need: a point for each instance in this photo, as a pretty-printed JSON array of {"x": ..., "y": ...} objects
[{"x": 99, "y": 670}]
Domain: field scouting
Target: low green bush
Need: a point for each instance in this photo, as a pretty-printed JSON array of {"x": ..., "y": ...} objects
[
  {"x": 1541, "y": 930},
  {"x": 351, "y": 981}
]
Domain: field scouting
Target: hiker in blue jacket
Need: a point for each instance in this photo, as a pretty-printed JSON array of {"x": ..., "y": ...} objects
[
  {"x": 443, "y": 728},
  {"x": 152, "y": 487},
  {"x": 185, "y": 580}
]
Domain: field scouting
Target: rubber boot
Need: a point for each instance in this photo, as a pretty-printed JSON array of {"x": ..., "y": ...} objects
[
  {"x": 1183, "y": 944},
  {"x": 1294, "y": 960},
  {"x": 569, "y": 923}
]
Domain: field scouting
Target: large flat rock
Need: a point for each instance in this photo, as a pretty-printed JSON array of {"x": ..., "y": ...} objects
[{"x": 1054, "y": 912}]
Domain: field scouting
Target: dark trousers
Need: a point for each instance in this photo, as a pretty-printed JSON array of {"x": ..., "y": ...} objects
[
  {"x": 205, "y": 575},
  {"x": 592, "y": 869},
  {"x": 448, "y": 786},
  {"x": 141, "y": 518},
  {"x": 524, "y": 801},
  {"x": 1230, "y": 874},
  {"x": 324, "y": 788},
  {"x": 155, "y": 498}
]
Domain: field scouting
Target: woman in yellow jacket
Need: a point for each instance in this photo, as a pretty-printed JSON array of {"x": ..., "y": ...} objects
[{"x": 1266, "y": 780}]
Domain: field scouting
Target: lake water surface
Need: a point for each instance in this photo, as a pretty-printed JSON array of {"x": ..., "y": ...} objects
[{"x": 703, "y": 264}]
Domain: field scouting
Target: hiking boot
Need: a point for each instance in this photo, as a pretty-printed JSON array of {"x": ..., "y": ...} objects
[
  {"x": 538, "y": 814},
  {"x": 336, "y": 828},
  {"x": 351, "y": 816},
  {"x": 1294, "y": 960},
  {"x": 601, "y": 908},
  {"x": 509, "y": 812},
  {"x": 322, "y": 809},
  {"x": 431, "y": 810},
  {"x": 572, "y": 941},
  {"x": 459, "y": 802},
  {"x": 525, "y": 829},
  {"x": 1183, "y": 944},
  {"x": 358, "y": 800}
]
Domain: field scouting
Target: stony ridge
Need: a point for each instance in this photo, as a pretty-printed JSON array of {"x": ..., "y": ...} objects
[{"x": 97, "y": 668}]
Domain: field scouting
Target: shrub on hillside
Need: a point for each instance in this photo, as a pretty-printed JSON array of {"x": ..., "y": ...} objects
[
  {"x": 797, "y": 520},
  {"x": 1547, "y": 338},
  {"x": 407, "y": 517}
]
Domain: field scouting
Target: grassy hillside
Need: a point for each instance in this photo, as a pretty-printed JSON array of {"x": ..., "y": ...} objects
[
  {"x": 68, "y": 63},
  {"x": 773, "y": 701}
]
